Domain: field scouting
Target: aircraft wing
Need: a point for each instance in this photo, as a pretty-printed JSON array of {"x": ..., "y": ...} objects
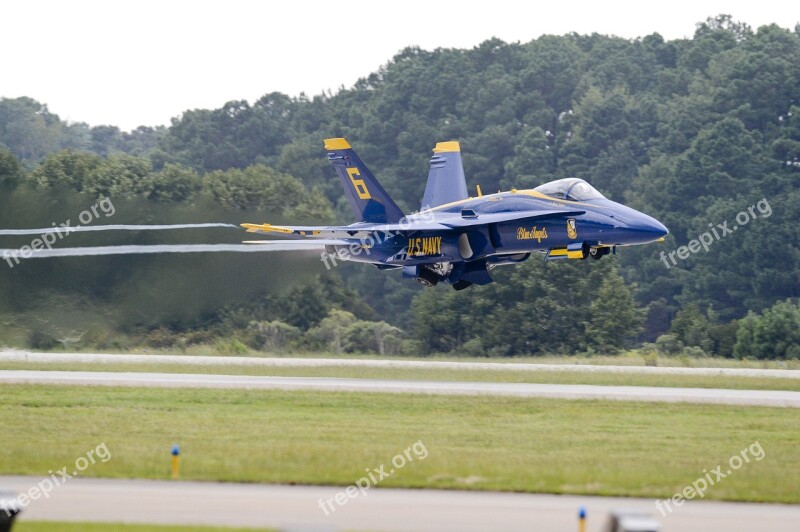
[
  {"x": 346, "y": 231},
  {"x": 362, "y": 230}
]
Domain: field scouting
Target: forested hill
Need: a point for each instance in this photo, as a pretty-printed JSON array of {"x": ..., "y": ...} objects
[{"x": 692, "y": 131}]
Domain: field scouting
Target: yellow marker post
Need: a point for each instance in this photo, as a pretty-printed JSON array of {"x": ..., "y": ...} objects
[
  {"x": 176, "y": 457},
  {"x": 582, "y": 519}
]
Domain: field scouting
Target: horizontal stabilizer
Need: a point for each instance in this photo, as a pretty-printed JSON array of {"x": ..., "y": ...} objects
[{"x": 298, "y": 245}]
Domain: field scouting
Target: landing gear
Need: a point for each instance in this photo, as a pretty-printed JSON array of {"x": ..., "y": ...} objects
[
  {"x": 427, "y": 277},
  {"x": 460, "y": 285},
  {"x": 598, "y": 253}
]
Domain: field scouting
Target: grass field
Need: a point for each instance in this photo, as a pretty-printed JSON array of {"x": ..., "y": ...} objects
[
  {"x": 55, "y": 526},
  {"x": 549, "y": 376},
  {"x": 487, "y": 443}
]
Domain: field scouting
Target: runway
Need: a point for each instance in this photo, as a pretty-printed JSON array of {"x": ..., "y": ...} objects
[
  {"x": 775, "y": 398},
  {"x": 106, "y": 358},
  {"x": 298, "y": 508}
]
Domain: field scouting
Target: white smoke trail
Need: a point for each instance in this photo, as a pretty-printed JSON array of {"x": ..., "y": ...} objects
[
  {"x": 167, "y": 248},
  {"x": 118, "y": 227}
]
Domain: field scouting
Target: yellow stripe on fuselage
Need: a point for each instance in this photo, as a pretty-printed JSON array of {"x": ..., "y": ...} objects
[{"x": 530, "y": 192}]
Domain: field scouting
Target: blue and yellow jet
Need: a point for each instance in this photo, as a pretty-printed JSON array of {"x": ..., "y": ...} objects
[{"x": 458, "y": 239}]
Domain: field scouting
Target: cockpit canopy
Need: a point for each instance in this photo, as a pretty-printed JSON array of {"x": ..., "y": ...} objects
[{"x": 570, "y": 188}]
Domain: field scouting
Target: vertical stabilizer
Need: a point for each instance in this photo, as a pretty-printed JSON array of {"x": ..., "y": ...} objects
[
  {"x": 446, "y": 181},
  {"x": 369, "y": 200}
]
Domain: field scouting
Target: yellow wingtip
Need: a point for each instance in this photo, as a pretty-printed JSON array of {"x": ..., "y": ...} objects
[
  {"x": 337, "y": 144},
  {"x": 449, "y": 146}
]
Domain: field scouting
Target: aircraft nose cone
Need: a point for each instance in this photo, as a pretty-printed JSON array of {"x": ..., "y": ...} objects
[
  {"x": 647, "y": 225},
  {"x": 634, "y": 227},
  {"x": 657, "y": 227}
]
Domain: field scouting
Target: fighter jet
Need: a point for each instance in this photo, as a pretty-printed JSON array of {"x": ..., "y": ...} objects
[{"x": 458, "y": 239}]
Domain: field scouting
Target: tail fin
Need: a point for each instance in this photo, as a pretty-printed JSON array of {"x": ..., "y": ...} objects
[
  {"x": 369, "y": 200},
  {"x": 446, "y": 182}
]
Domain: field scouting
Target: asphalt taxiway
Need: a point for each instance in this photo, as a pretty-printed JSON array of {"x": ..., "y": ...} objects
[{"x": 298, "y": 508}]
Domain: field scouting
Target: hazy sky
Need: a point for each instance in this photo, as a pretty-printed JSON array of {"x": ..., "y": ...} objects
[{"x": 131, "y": 63}]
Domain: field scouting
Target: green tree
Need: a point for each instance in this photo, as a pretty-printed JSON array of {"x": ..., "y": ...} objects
[
  {"x": 615, "y": 319},
  {"x": 333, "y": 330},
  {"x": 118, "y": 176},
  {"x": 261, "y": 187},
  {"x": 65, "y": 169},
  {"x": 534, "y": 308},
  {"x": 692, "y": 328},
  {"x": 775, "y": 334},
  {"x": 28, "y": 128},
  {"x": 272, "y": 336},
  {"x": 10, "y": 169},
  {"x": 378, "y": 336},
  {"x": 174, "y": 183}
]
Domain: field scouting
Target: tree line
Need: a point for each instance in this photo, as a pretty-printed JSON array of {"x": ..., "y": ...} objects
[{"x": 691, "y": 131}]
